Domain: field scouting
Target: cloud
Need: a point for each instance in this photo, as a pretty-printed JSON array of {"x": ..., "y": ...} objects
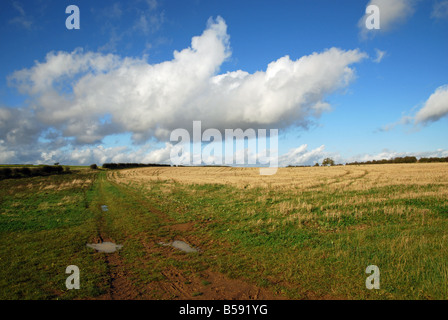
[
  {"x": 6, "y": 155},
  {"x": 86, "y": 96},
  {"x": 22, "y": 19},
  {"x": 405, "y": 120},
  {"x": 389, "y": 154},
  {"x": 149, "y": 22},
  {"x": 301, "y": 156},
  {"x": 18, "y": 126},
  {"x": 146, "y": 16},
  {"x": 379, "y": 55},
  {"x": 152, "y": 100},
  {"x": 392, "y": 14},
  {"x": 152, "y": 4},
  {"x": 60, "y": 151},
  {"x": 435, "y": 107},
  {"x": 113, "y": 11},
  {"x": 440, "y": 10},
  {"x": 123, "y": 154}
]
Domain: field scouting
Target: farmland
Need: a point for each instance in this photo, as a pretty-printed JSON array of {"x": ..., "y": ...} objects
[{"x": 303, "y": 233}]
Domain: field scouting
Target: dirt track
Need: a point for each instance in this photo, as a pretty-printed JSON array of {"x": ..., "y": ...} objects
[{"x": 175, "y": 284}]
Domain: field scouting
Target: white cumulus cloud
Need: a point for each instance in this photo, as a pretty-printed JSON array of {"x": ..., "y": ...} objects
[
  {"x": 152, "y": 100},
  {"x": 379, "y": 55},
  {"x": 86, "y": 96},
  {"x": 390, "y": 154},
  {"x": 440, "y": 10},
  {"x": 302, "y": 156},
  {"x": 392, "y": 14},
  {"x": 435, "y": 107}
]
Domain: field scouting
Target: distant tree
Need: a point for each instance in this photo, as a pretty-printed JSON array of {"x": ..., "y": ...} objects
[
  {"x": 316, "y": 164},
  {"x": 5, "y": 172},
  {"x": 56, "y": 163},
  {"x": 433, "y": 159},
  {"x": 93, "y": 166},
  {"x": 36, "y": 171},
  {"x": 25, "y": 171},
  {"x": 47, "y": 169},
  {"x": 328, "y": 162},
  {"x": 131, "y": 165}
]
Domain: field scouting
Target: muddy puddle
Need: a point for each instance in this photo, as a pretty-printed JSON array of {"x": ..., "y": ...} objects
[
  {"x": 106, "y": 247},
  {"x": 181, "y": 245}
]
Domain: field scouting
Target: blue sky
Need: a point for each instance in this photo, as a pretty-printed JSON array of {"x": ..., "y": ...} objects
[{"x": 388, "y": 107}]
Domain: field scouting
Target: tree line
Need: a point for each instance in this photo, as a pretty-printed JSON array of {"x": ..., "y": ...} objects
[
  {"x": 132, "y": 165},
  {"x": 407, "y": 159},
  {"x": 22, "y": 172},
  {"x": 401, "y": 160},
  {"x": 433, "y": 159}
]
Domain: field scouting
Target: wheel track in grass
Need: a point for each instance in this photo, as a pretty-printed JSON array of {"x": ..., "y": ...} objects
[
  {"x": 119, "y": 287},
  {"x": 174, "y": 281}
]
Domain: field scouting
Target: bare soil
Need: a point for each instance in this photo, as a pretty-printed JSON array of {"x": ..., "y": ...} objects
[{"x": 206, "y": 285}]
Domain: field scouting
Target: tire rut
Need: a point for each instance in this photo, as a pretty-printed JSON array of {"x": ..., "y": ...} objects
[
  {"x": 178, "y": 284},
  {"x": 119, "y": 285}
]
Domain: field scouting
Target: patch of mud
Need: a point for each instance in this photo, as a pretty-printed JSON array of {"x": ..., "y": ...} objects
[
  {"x": 183, "y": 227},
  {"x": 106, "y": 247},
  {"x": 209, "y": 285}
]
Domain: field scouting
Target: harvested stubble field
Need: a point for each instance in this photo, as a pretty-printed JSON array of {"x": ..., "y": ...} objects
[{"x": 303, "y": 233}]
